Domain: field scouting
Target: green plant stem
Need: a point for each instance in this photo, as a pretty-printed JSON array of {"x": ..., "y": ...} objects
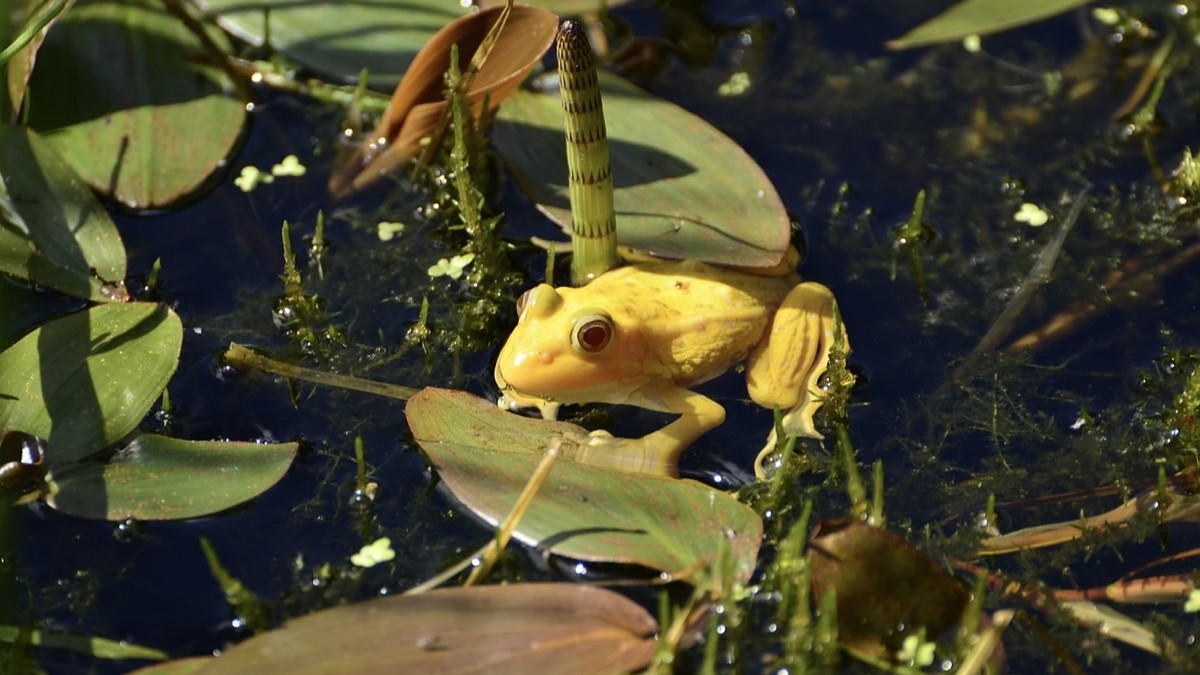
[
  {"x": 21, "y": 41},
  {"x": 589, "y": 180},
  {"x": 237, "y": 355}
]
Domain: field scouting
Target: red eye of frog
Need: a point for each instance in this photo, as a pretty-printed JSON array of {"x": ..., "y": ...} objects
[
  {"x": 521, "y": 302},
  {"x": 592, "y": 333}
]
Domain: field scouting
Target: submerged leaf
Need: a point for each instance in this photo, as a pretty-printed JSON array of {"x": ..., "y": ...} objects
[
  {"x": 419, "y": 101},
  {"x": 682, "y": 189},
  {"x": 117, "y": 93},
  {"x": 523, "y": 628},
  {"x": 98, "y": 647},
  {"x": 980, "y": 17},
  {"x": 887, "y": 589},
  {"x": 1179, "y": 507},
  {"x": 160, "y": 478},
  {"x": 485, "y": 456},
  {"x": 53, "y": 231},
  {"x": 1108, "y": 621},
  {"x": 86, "y": 380}
]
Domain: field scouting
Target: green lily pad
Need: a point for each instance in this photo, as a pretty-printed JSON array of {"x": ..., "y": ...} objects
[
  {"x": 540, "y": 628},
  {"x": 887, "y": 589},
  {"x": 160, "y": 478},
  {"x": 117, "y": 92},
  {"x": 86, "y": 380},
  {"x": 340, "y": 39},
  {"x": 682, "y": 189},
  {"x": 52, "y": 229},
  {"x": 980, "y": 17},
  {"x": 485, "y": 456}
]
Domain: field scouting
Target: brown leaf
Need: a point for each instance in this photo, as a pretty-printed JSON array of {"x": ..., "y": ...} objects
[
  {"x": 886, "y": 588},
  {"x": 520, "y": 628},
  {"x": 419, "y": 100}
]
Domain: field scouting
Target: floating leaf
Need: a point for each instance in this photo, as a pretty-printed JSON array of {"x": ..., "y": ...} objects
[
  {"x": 566, "y": 7},
  {"x": 887, "y": 589},
  {"x": 52, "y": 229},
  {"x": 86, "y": 380},
  {"x": 485, "y": 456},
  {"x": 523, "y": 628},
  {"x": 980, "y": 17},
  {"x": 420, "y": 101},
  {"x": 682, "y": 189},
  {"x": 160, "y": 478},
  {"x": 340, "y": 38},
  {"x": 117, "y": 93}
]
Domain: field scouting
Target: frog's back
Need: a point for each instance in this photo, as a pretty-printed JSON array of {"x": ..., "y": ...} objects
[{"x": 696, "y": 319}]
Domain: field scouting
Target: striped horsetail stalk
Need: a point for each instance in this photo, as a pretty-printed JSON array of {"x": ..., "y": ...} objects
[{"x": 593, "y": 218}]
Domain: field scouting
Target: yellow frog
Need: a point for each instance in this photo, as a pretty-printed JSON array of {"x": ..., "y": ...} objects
[{"x": 643, "y": 334}]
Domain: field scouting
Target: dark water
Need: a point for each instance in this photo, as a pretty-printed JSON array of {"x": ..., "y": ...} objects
[{"x": 849, "y": 133}]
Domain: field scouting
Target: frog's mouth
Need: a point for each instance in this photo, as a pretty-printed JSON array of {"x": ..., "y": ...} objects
[
  {"x": 512, "y": 398},
  {"x": 517, "y": 397}
]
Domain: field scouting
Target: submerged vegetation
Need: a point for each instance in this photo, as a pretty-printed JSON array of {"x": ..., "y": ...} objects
[{"x": 1009, "y": 223}]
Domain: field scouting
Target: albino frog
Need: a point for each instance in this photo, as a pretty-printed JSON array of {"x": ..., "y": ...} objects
[{"x": 643, "y": 334}]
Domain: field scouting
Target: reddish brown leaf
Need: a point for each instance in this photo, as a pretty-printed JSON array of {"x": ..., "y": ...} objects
[
  {"x": 521, "y": 628},
  {"x": 419, "y": 101},
  {"x": 886, "y": 588}
]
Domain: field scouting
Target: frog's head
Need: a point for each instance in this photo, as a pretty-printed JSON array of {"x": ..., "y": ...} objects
[{"x": 567, "y": 348}]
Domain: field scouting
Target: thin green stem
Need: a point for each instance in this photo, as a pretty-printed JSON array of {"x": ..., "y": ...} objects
[{"x": 593, "y": 217}]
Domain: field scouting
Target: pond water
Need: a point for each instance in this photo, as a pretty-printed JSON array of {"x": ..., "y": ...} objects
[{"x": 849, "y": 133}]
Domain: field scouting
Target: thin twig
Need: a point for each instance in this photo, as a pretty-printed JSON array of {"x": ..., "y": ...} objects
[
  {"x": 509, "y": 524},
  {"x": 1037, "y": 277}
]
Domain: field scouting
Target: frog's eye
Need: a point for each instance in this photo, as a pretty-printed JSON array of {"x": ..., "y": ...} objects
[
  {"x": 521, "y": 302},
  {"x": 592, "y": 333}
]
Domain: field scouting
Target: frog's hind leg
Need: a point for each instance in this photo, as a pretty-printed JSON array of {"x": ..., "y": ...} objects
[
  {"x": 657, "y": 452},
  {"x": 785, "y": 368}
]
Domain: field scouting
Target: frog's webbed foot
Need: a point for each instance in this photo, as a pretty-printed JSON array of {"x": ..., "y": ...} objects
[
  {"x": 631, "y": 455},
  {"x": 785, "y": 369}
]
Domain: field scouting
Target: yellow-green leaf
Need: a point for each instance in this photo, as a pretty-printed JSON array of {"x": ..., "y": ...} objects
[
  {"x": 980, "y": 17},
  {"x": 118, "y": 93},
  {"x": 682, "y": 189},
  {"x": 160, "y": 478},
  {"x": 52, "y": 229},
  {"x": 340, "y": 38},
  {"x": 86, "y": 380}
]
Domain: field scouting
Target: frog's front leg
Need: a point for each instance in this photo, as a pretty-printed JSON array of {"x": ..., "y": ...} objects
[
  {"x": 785, "y": 368},
  {"x": 657, "y": 452}
]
